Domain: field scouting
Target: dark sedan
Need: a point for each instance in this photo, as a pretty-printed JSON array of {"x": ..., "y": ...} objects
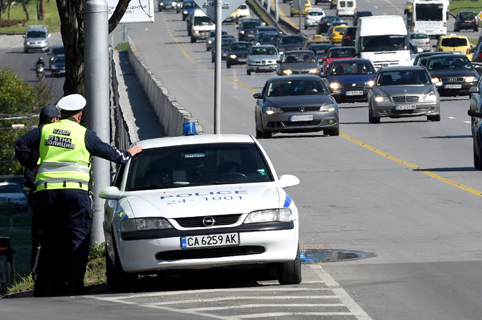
[
  {"x": 455, "y": 73},
  {"x": 237, "y": 53},
  {"x": 225, "y": 43},
  {"x": 246, "y": 29},
  {"x": 320, "y": 50},
  {"x": 299, "y": 62},
  {"x": 291, "y": 42},
  {"x": 267, "y": 38},
  {"x": 325, "y": 23},
  {"x": 475, "y": 112},
  {"x": 291, "y": 104},
  {"x": 57, "y": 65},
  {"x": 348, "y": 79},
  {"x": 403, "y": 91},
  {"x": 422, "y": 58}
]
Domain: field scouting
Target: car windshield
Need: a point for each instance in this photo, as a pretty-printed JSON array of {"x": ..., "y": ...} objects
[
  {"x": 454, "y": 42},
  {"x": 36, "y": 34},
  {"x": 188, "y": 5},
  {"x": 10, "y": 188},
  {"x": 315, "y": 13},
  {"x": 200, "y": 21},
  {"x": 239, "y": 46},
  {"x": 249, "y": 25},
  {"x": 197, "y": 165},
  {"x": 449, "y": 63},
  {"x": 331, "y": 18},
  {"x": 269, "y": 38},
  {"x": 403, "y": 78},
  {"x": 59, "y": 59},
  {"x": 57, "y": 50},
  {"x": 384, "y": 43},
  {"x": 467, "y": 15},
  {"x": 292, "y": 40},
  {"x": 341, "y": 53},
  {"x": 226, "y": 42},
  {"x": 294, "y": 57},
  {"x": 351, "y": 68},
  {"x": 418, "y": 36},
  {"x": 263, "y": 51},
  {"x": 285, "y": 88}
]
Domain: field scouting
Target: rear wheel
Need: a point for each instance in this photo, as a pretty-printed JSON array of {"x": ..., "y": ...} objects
[{"x": 290, "y": 272}]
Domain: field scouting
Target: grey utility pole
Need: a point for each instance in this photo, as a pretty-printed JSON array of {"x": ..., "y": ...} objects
[
  {"x": 96, "y": 79},
  {"x": 217, "y": 66}
]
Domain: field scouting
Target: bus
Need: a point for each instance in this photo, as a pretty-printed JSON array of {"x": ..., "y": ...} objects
[{"x": 428, "y": 16}]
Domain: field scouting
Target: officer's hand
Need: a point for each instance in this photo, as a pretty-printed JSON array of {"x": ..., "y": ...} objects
[
  {"x": 35, "y": 171},
  {"x": 135, "y": 150}
]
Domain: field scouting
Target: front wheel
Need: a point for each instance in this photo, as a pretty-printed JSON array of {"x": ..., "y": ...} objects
[
  {"x": 477, "y": 156},
  {"x": 434, "y": 118},
  {"x": 371, "y": 118},
  {"x": 290, "y": 272},
  {"x": 117, "y": 279},
  {"x": 333, "y": 132},
  {"x": 248, "y": 72},
  {"x": 228, "y": 65}
]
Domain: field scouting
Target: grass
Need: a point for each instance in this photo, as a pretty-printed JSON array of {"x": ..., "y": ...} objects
[
  {"x": 19, "y": 24},
  {"x": 122, "y": 46},
  {"x": 465, "y": 5}
]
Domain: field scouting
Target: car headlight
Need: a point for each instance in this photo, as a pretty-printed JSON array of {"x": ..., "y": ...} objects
[
  {"x": 184, "y": 12},
  {"x": 196, "y": 31},
  {"x": 54, "y": 67},
  {"x": 370, "y": 83},
  {"x": 232, "y": 56},
  {"x": 242, "y": 32},
  {"x": 271, "y": 215},
  {"x": 335, "y": 85},
  {"x": 314, "y": 70},
  {"x": 161, "y": 4},
  {"x": 273, "y": 110},
  {"x": 28, "y": 43},
  {"x": 287, "y": 72},
  {"x": 210, "y": 41},
  {"x": 470, "y": 79},
  {"x": 380, "y": 98},
  {"x": 129, "y": 225},
  {"x": 51, "y": 59},
  {"x": 327, "y": 108},
  {"x": 435, "y": 80},
  {"x": 430, "y": 97}
]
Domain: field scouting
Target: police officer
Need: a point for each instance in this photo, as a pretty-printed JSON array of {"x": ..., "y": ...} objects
[
  {"x": 64, "y": 207},
  {"x": 48, "y": 114}
]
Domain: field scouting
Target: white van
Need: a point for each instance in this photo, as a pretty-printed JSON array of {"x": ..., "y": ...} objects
[
  {"x": 201, "y": 26},
  {"x": 346, "y": 8}
]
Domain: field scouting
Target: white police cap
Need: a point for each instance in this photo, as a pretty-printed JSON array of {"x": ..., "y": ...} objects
[{"x": 72, "y": 102}]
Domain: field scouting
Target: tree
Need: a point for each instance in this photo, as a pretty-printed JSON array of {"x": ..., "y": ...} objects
[
  {"x": 72, "y": 30},
  {"x": 17, "y": 98}
]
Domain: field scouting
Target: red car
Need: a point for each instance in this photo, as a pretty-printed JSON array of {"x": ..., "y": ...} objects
[{"x": 336, "y": 53}]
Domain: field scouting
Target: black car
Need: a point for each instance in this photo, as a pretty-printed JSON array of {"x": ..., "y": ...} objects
[
  {"x": 57, "y": 66},
  {"x": 225, "y": 43},
  {"x": 246, "y": 29},
  {"x": 261, "y": 29},
  {"x": 320, "y": 50},
  {"x": 267, "y": 38},
  {"x": 55, "y": 51},
  {"x": 466, "y": 20},
  {"x": 360, "y": 14},
  {"x": 454, "y": 71},
  {"x": 477, "y": 56},
  {"x": 475, "y": 111},
  {"x": 168, "y": 5},
  {"x": 237, "y": 53},
  {"x": 325, "y": 23},
  {"x": 422, "y": 58},
  {"x": 348, "y": 39},
  {"x": 291, "y": 42},
  {"x": 299, "y": 62}
]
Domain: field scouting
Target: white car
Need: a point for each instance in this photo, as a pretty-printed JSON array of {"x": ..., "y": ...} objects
[
  {"x": 243, "y": 12},
  {"x": 198, "y": 202},
  {"x": 13, "y": 196},
  {"x": 312, "y": 17},
  {"x": 420, "y": 40}
]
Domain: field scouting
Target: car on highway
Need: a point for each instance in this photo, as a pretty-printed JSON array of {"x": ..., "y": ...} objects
[
  {"x": 225, "y": 43},
  {"x": 294, "y": 104},
  {"x": 466, "y": 20},
  {"x": 348, "y": 39},
  {"x": 360, "y": 14},
  {"x": 199, "y": 202},
  {"x": 320, "y": 50},
  {"x": 57, "y": 66},
  {"x": 263, "y": 58},
  {"x": 298, "y": 62},
  {"x": 317, "y": 38},
  {"x": 422, "y": 57},
  {"x": 54, "y": 51},
  {"x": 336, "y": 33},
  {"x": 37, "y": 38},
  {"x": 210, "y": 38},
  {"x": 477, "y": 56},
  {"x": 420, "y": 40},
  {"x": 188, "y": 6},
  {"x": 295, "y": 11},
  {"x": 312, "y": 17},
  {"x": 337, "y": 53},
  {"x": 291, "y": 42},
  {"x": 348, "y": 79},
  {"x": 14, "y": 196},
  {"x": 475, "y": 112},
  {"x": 402, "y": 91},
  {"x": 237, "y": 53},
  {"x": 454, "y": 73},
  {"x": 169, "y": 5},
  {"x": 264, "y": 28},
  {"x": 325, "y": 23},
  {"x": 267, "y": 38},
  {"x": 247, "y": 27},
  {"x": 454, "y": 44},
  {"x": 243, "y": 12}
]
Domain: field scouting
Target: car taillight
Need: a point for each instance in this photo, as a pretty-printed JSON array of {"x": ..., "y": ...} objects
[
  {"x": 480, "y": 55},
  {"x": 347, "y": 36},
  {"x": 445, "y": 24},
  {"x": 428, "y": 42},
  {"x": 467, "y": 51}
]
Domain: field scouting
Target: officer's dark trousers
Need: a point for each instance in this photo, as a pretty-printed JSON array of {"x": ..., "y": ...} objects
[
  {"x": 65, "y": 218},
  {"x": 38, "y": 272}
]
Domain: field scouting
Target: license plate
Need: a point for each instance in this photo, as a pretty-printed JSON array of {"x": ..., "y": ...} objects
[
  {"x": 354, "y": 93},
  {"x": 211, "y": 240},
  {"x": 242, "y": 60},
  {"x": 406, "y": 107},
  {"x": 264, "y": 67},
  {"x": 453, "y": 86},
  {"x": 304, "y": 117}
]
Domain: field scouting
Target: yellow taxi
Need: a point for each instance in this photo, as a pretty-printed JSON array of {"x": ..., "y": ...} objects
[
  {"x": 316, "y": 39},
  {"x": 303, "y": 12},
  {"x": 455, "y": 44},
  {"x": 336, "y": 33}
]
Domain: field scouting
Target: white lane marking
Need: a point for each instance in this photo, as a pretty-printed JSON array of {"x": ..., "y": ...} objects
[
  {"x": 356, "y": 310},
  {"x": 287, "y": 314},
  {"x": 284, "y": 305},
  {"x": 468, "y": 122},
  {"x": 451, "y": 118}
]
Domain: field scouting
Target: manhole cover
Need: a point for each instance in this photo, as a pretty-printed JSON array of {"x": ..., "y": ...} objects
[{"x": 330, "y": 255}]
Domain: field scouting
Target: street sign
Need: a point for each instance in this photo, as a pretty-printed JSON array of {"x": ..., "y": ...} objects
[
  {"x": 480, "y": 15},
  {"x": 228, "y": 7},
  {"x": 138, "y": 11}
]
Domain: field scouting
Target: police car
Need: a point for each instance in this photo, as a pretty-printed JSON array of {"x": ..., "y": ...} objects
[{"x": 200, "y": 201}]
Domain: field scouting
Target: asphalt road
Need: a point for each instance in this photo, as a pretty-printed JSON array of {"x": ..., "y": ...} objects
[{"x": 403, "y": 190}]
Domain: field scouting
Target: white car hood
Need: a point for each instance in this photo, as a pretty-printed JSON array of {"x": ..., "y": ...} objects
[{"x": 211, "y": 200}]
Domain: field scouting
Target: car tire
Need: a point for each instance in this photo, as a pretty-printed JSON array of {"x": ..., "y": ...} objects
[
  {"x": 306, "y": 27},
  {"x": 228, "y": 65},
  {"x": 213, "y": 59},
  {"x": 371, "y": 118},
  {"x": 333, "y": 132},
  {"x": 434, "y": 118},
  {"x": 476, "y": 29},
  {"x": 477, "y": 156},
  {"x": 193, "y": 40},
  {"x": 248, "y": 72},
  {"x": 290, "y": 272},
  {"x": 117, "y": 279}
]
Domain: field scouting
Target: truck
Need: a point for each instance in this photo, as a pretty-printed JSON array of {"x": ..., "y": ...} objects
[
  {"x": 201, "y": 26},
  {"x": 428, "y": 16},
  {"x": 383, "y": 40}
]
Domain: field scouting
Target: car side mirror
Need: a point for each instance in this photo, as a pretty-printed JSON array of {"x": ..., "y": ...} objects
[
  {"x": 258, "y": 95},
  {"x": 110, "y": 193},
  {"x": 474, "y": 113},
  {"x": 288, "y": 180}
]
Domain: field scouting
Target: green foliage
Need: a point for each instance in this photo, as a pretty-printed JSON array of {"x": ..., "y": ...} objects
[{"x": 18, "y": 22}]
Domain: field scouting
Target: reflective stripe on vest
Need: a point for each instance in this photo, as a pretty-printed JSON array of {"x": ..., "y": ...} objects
[{"x": 65, "y": 161}]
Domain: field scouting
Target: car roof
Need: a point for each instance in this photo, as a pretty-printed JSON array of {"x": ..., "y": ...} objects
[{"x": 194, "y": 139}]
